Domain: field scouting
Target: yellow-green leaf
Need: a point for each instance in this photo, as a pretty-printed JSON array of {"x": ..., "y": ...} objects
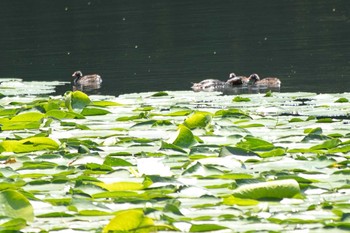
[
  {"x": 130, "y": 221},
  {"x": 121, "y": 186},
  {"x": 29, "y": 144},
  {"x": 15, "y": 205}
]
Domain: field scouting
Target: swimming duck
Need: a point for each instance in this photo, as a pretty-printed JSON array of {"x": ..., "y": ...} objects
[
  {"x": 254, "y": 79},
  {"x": 235, "y": 80},
  {"x": 91, "y": 79},
  {"x": 208, "y": 85}
]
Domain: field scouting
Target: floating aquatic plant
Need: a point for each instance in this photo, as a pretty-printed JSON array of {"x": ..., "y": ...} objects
[{"x": 173, "y": 161}]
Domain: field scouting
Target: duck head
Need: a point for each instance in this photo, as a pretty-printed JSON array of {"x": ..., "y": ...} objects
[
  {"x": 253, "y": 78},
  {"x": 232, "y": 75},
  {"x": 77, "y": 74}
]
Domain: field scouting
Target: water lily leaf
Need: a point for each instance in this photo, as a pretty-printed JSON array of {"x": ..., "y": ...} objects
[
  {"x": 28, "y": 116},
  {"x": 104, "y": 103},
  {"x": 55, "y": 215},
  {"x": 228, "y": 150},
  {"x": 142, "y": 115},
  {"x": 14, "y": 225},
  {"x": 198, "y": 120},
  {"x": 130, "y": 221},
  {"x": 232, "y": 200},
  {"x": 206, "y": 227},
  {"x": 9, "y": 125},
  {"x": 116, "y": 162},
  {"x": 29, "y": 144},
  {"x": 240, "y": 99},
  {"x": 121, "y": 186},
  {"x": 55, "y": 113},
  {"x": 328, "y": 144},
  {"x": 169, "y": 146},
  {"x": 161, "y": 93},
  {"x": 76, "y": 100},
  {"x": 177, "y": 113},
  {"x": 341, "y": 149},
  {"x": 8, "y": 112},
  {"x": 273, "y": 153},
  {"x": 273, "y": 189},
  {"x": 254, "y": 144},
  {"x": 236, "y": 113},
  {"x": 94, "y": 112},
  {"x": 15, "y": 205},
  {"x": 185, "y": 137},
  {"x": 314, "y": 134},
  {"x": 341, "y": 100},
  {"x": 29, "y": 120}
]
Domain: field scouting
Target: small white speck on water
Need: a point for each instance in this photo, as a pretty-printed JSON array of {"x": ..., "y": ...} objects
[
  {"x": 89, "y": 3},
  {"x": 214, "y": 52},
  {"x": 333, "y": 9},
  {"x": 124, "y": 18},
  {"x": 149, "y": 57},
  {"x": 136, "y": 46},
  {"x": 265, "y": 38},
  {"x": 66, "y": 9},
  {"x": 68, "y": 53}
]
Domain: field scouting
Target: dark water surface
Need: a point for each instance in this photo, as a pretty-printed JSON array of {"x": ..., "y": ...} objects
[{"x": 139, "y": 46}]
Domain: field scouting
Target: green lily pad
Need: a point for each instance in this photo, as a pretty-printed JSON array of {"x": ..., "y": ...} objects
[
  {"x": 185, "y": 137},
  {"x": 15, "y": 205},
  {"x": 130, "y": 221},
  {"x": 29, "y": 144},
  {"x": 198, "y": 120},
  {"x": 273, "y": 189}
]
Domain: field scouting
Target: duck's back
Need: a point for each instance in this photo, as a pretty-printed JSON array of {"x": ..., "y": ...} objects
[{"x": 90, "y": 79}]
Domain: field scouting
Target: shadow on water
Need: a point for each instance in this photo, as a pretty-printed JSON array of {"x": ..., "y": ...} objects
[{"x": 139, "y": 46}]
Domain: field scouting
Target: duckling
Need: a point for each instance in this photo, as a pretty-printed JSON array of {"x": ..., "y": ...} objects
[
  {"x": 254, "y": 79},
  {"x": 88, "y": 80},
  {"x": 208, "y": 85},
  {"x": 235, "y": 80}
]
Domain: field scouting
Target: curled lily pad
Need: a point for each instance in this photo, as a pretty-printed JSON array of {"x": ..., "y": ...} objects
[
  {"x": 198, "y": 120},
  {"x": 273, "y": 189},
  {"x": 76, "y": 100},
  {"x": 185, "y": 137}
]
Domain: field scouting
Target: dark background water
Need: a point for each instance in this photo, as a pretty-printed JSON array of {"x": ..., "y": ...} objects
[{"x": 139, "y": 46}]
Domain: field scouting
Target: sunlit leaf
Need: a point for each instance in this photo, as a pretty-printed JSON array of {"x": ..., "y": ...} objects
[
  {"x": 15, "y": 205},
  {"x": 161, "y": 93},
  {"x": 29, "y": 144},
  {"x": 240, "y": 99},
  {"x": 104, "y": 103},
  {"x": 185, "y": 137},
  {"x": 130, "y": 221},
  {"x": 76, "y": 100},
  {"x": 206, "y": 227},
  {"x": 121, "y": 186},
  {"x": 28, "y": 116},
  {"x": 94, "y": 112},
  {"x": 236, "y": 113},
  {"x": 198, "y": 120},
  {"x": 252, "y": 143},
  {"x": 273, "y": 189},
  {"x": 232, "y": 200}
]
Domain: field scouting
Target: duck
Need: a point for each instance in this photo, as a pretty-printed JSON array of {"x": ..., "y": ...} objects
[
  {"x": 87, "y": 80},
  {"x": 254, "y": 80},
  {"x": 235, "y": 80},
  {"x": 208, "y": 85}
]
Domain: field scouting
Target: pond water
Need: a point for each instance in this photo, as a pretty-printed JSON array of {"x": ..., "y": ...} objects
[{"x": 139, "y": 46}]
